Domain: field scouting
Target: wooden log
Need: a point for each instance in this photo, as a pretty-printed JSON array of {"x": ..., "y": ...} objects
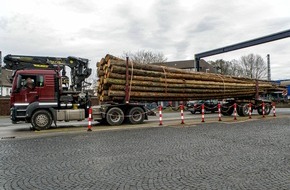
[
  {"x": 102, "y": 62},
  {"x": 162, "y": 96},
  {"x": 177, "y": 90},
  {"x": 111, "y": 57},
  {"x": 162, "y": 83},
  {"x": 100, "y": 73},
  {"x": 165, "y": 69},
  {"x": 184, "y": 85},
  {"x": 105, "y": 93},
  {"x": 148, "y": 67},
  {"x": 178, "y": 81},
  {"x": 170, "y": 70},
  {"x": 193, "y": 76}
]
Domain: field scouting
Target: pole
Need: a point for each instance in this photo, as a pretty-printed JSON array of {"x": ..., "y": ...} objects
[
  {"x": 263, "y": 109},
  {"x": 269, "y": 67},
  {"x": 90, "y": 119},
  {"x": 235, "y": 111},
  {"x": 274, "y": 109},
  {"x": 181, "y": 113},
  {"x": 202, "y": 113},
  {"x": 250, "y": 110},
  {"x": 197, "y": 60},
  {"x": 219, "y": 110},
  {"x": 160, "y": 115}
]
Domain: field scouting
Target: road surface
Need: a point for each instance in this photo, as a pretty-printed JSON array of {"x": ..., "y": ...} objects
[{"x": 9, "y": 130}]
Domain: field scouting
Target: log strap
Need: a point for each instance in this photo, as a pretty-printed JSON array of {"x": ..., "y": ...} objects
[
  {"x": 223, "y": 83},
  {"x": 131, "y": 79},
  {"x": 165, "y": 79},
  {"x": 184, "y": 84}
]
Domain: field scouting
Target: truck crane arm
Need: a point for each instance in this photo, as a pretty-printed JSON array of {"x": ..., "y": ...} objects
[{"x": 79, "y": 66}]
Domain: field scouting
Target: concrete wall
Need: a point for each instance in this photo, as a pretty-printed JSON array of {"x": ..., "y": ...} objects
[{"x": 4, "y": 106}]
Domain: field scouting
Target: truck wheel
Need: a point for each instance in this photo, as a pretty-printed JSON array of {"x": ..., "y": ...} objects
[
  {"x": 102, "y": 121},
  {"x": 41, "y": 120},
  {"x": 227, "y": 111},
  {"x": 115, "y": 116},
  {"x": 136, "y": 115},
  {"x": 192, "y": 110},
  {"x": 268, "y": 109},
  {"x": 243, "y": 110}
]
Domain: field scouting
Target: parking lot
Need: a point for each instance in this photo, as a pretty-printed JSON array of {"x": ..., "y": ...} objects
[{"x": 243, "y": 154}]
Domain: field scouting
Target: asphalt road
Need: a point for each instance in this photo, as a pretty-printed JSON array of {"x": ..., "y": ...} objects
[
  {"x": 243, "y": 154},
  {"x": 20, "y": 130}
]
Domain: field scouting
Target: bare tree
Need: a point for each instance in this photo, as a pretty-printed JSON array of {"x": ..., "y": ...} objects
[
  {"x": 253, "y": 66},
  {"x": 235, "y": 68},
  {"x": 145, "y": 57},
  {"x": 222, "y": 66}
]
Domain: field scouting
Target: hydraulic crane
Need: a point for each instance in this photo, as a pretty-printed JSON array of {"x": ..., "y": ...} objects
[{"x": 79, "y": 66}]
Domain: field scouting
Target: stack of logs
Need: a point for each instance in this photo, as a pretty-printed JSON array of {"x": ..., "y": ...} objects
[{"x": 149, "y": 82}]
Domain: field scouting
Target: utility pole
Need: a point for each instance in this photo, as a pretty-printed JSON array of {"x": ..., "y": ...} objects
[{"x": 269, "y": 67}]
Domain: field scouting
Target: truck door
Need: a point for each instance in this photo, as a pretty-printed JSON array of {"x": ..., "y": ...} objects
[
  {"x": 41, "y": 89},
  {"x": 27, "y": 92},
  {"x": 45, "y": 85}
]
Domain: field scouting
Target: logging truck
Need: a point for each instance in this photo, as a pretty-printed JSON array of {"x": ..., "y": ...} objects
[{"x": 41, "y": 93}]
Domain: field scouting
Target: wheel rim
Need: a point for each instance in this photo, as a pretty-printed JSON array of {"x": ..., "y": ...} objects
[
  {"x": 137, "y": 116},
  {"x": 267, "y": 109},
  {"x": 41, "y": 120},
  {"x": 246, "y": 110},
  {"x": 115, "y": 117}
]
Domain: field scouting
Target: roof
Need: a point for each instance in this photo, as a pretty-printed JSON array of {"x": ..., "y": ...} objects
[
  {"x": 5, "y": 74},
  {"x": 188, "y": 64}
]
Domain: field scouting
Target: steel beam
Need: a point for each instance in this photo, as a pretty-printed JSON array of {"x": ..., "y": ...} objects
[{"x": 249, "y": 43}]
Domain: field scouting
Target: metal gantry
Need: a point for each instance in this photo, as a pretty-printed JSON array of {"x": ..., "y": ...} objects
[{"x": 241, "y": 45}]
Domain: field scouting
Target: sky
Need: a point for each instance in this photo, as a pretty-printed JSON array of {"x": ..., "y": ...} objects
[{"x": 177, "y": 28}]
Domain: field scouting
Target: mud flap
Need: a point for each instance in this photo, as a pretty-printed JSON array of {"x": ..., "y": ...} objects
[{"x": 53, "y": 115}]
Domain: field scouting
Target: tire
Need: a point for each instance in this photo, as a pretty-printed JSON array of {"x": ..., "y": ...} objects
[
  {"x": 268, "y": 109},
  {"x": 192, "y": 110},
  {"x": 41, "y": 120},
  {"x": 136, "y": 115},
  {"x": 102, "y": 121},
  {"x": 243, "y": 110},
  {"x": 227, "y": 111},
  {"x": 115, "y": 116}
]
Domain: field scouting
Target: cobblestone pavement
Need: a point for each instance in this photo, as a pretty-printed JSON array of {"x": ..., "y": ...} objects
[{"x": 241, "y": 155}]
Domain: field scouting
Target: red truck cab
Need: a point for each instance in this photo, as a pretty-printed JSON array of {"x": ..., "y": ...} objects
[
  {"x": 43, "y": 89},
  {"x": 41, "y": 95}
]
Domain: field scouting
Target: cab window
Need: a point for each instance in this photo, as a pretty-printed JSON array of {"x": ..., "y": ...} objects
[
  {"x": 27, "y": 80},
  {"x": 40, "y": 81}
]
